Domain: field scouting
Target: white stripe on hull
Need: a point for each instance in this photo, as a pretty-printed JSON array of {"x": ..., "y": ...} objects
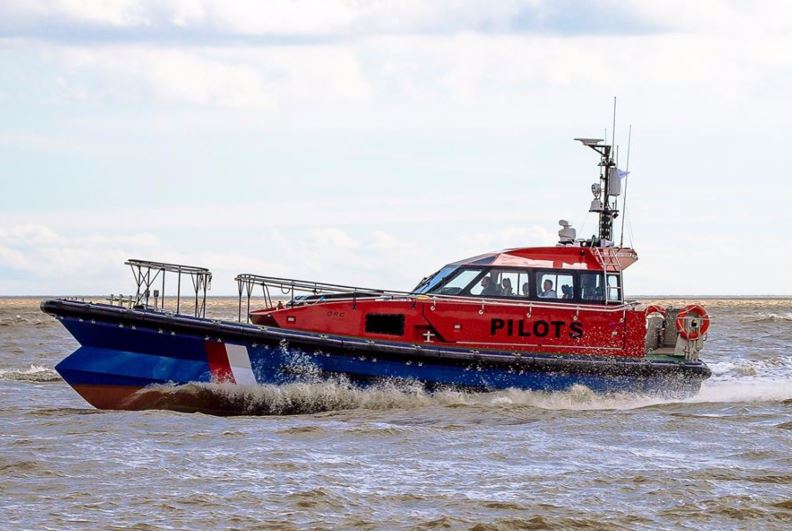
[{"x": 239, "y": 360}]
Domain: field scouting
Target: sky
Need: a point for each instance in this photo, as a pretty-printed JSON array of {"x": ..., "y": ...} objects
[{"x": 370, "y": 143}]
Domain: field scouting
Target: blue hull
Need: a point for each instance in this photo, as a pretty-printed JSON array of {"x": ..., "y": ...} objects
[{"x": 123, "y": 351}]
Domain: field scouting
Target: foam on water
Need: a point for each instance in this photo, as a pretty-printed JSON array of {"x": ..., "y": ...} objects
[
  {"x": 34, "y": 373},
  {"x": 299, "y": 398},
  {"x": 778, "y": 367},
  {"x": 769, "y": 317},
  {"x": 744, "y": 390},
  {"x": 340, "y": 395}
]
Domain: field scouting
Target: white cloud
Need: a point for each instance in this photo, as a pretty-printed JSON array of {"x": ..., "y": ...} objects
[
  {"x": 28, "y": 234},
  {"x": 311, "y": 18},
  {"x": 13, "y": 258},
  {"x": 507, "y": 237},
  {"x": 51, "y": 262},
  {"x": 291, "y": 212},
  {"x": 213, "y": 77},
  {"x": 468, "y": 80},
  {"x": 113, "y": 13},
  {"x": 323, "y": 18},
  {"x": 332, "y": 237},
  {"x": 172, "y": 76}
]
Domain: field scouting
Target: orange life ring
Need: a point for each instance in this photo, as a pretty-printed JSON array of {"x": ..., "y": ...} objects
[
  {"x": 697, "y": 312},
  {"x": 655, "y": 308}
]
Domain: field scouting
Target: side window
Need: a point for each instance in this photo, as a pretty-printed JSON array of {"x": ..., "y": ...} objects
[
  {"x": 591, "y": 287},
  {"x": 614, "y": 289},
  {"x": 510, "y": 284},
  {"x": 457, "y": 283},
  {"x": 555, "y": 285},
  {"x": 488, "y": 285},
  {"x": 502, "y": 283}
]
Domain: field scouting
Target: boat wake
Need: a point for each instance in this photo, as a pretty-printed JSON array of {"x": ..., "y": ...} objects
[
  {"x": 732, "y": 382},
  {"x": 340, "y": 395},
  {"x": 289, "y": 399},
  {"x": 761, "y": 389}
]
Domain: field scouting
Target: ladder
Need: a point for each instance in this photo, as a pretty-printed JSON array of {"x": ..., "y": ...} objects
[{"x": 608, "y": 258}]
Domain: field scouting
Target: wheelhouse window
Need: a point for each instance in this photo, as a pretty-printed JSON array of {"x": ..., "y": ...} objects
[
  {"x": 502, "y": 283},
  {"x": 593, "y": 288},
  {"x": 555, "y": 285},
  {"x": 430, "y": 282},
  {"x": 455, "y": 283},
  {"x": 614, "y": 289}
]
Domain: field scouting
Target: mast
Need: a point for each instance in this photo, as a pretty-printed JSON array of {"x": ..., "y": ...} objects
[{"x": 605, "y": 191}]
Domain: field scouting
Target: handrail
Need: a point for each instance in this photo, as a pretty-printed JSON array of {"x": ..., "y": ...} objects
[
  {"x": 246, "y": 282},
  {"x": 166, "y": 266},
  {"x": 147, "y": 272}
]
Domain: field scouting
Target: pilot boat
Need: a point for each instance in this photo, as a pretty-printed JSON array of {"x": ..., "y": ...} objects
[{"x": 537, "y": 318}]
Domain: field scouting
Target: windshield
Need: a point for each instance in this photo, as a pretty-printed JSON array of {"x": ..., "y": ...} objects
[
  {"x": 456, "y": 283},
  {"x": 431, "y": 281}
]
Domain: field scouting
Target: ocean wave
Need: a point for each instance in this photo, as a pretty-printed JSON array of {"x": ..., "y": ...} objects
[
  {"x": 742, "y": 380},
  {"x": 11, "y": 318},
  {"x": 777, "y": 367},
  {"x": 744, "y": 390},
  {"x": 768, "y": 317},
  {"x": 34, "y": 373}
]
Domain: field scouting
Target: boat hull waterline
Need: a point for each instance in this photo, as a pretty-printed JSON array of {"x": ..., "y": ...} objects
[{"x": 131, "y": 359}]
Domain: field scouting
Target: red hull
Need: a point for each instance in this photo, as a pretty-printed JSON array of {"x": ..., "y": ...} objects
[{"x": 484, "y": 324}]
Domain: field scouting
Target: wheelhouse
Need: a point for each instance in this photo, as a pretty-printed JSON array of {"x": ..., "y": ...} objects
[
  {"x": 550, "y": 285},
  {"x": 569, "y": 274}
]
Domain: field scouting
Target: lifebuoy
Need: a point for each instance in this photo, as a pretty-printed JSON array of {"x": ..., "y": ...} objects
[
  {"x": 683, "y": 322},
  {"x": 655, "y": 308}
]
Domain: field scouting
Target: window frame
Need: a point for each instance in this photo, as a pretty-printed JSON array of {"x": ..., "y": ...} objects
[
  {"x": 619, "y": 288},
  {"x": 502, "y": 269},
  {"x": 533, "y": 273},
  {"x": 604, "y": 276},
  {"x": 454, "y": 274},
  {"x": 537, "y": 272},
  {"x": 423, "y": 287},
  {"x": 601, "y": 275}
]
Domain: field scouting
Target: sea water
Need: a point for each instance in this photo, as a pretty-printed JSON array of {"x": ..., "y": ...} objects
[{"x": 326, "y": 454}]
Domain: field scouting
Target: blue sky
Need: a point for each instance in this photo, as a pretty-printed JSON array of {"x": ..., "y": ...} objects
[{"x": 372, "y": 142}]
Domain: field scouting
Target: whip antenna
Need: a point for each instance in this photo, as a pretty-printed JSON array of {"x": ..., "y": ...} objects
[
  {"x": 613, "y": 131},
  {"x": 626, "y": 181}
]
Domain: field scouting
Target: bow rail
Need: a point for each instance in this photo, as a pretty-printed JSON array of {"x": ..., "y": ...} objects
[{"x": 147, "y": 273}]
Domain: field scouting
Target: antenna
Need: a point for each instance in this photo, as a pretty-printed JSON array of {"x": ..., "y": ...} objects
[
  {"x": 613, "y": 131},
  {"x": 626, "y": 181}
]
